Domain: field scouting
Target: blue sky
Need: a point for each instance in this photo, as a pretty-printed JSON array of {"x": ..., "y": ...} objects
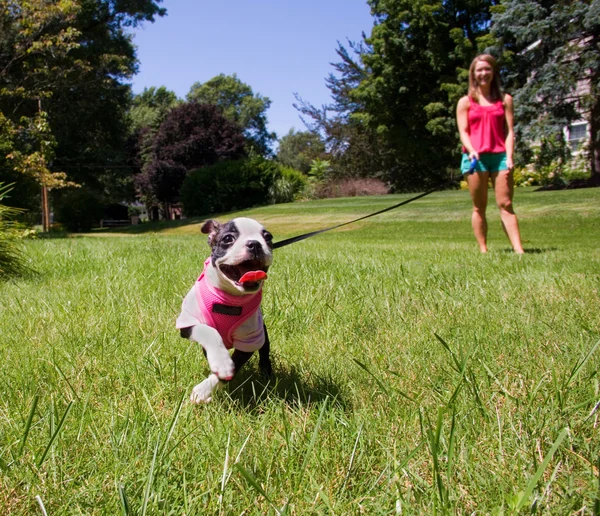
[{"x": 277, "y": 47}]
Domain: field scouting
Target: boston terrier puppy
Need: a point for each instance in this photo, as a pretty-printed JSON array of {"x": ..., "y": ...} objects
[{"x": 222, "y": 310}]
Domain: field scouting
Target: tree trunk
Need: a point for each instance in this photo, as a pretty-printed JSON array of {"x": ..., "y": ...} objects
[
  {"x": 595, "y": 141},
  {"x": 45, "y": 210}
]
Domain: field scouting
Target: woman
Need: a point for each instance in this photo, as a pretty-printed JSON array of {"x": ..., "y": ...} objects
[{"x": 485, "y": 124}]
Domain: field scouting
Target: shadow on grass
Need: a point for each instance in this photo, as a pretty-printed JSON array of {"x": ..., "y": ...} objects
[
  {"x": 533, "y": 250},
  {"x": 162, "y": 225},
  {"x": 250, "y": 389},
  {"x": 149, "y": 227}
]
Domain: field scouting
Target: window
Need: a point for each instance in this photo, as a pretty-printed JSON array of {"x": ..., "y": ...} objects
[{"x": 577, "y": 134}]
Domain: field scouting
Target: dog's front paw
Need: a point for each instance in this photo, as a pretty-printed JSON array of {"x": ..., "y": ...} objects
[
  {"x": 220, "y": 363},
  {"x": 202, "y": 393}
]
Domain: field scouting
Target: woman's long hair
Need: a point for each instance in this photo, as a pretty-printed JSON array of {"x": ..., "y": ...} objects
[{"x": 496, "y": 88}]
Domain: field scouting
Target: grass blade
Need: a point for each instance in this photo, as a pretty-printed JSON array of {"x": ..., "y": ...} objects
[
  {"x": 172, "y": 426},
  {"x": 352, "y": 457},
  {"x": 224, "y": 476},
  {"x": 540, "y": 471},
  {"x": 56, "y": 432},
  {"x": 312, "y": 441},
  {"x": 377, "y": 380},
  {"x": 28, "y": 425},
  {"x": 252, "y": 481},
  {"x": 125, "y": 509},
  {"x": 579, "y": 365},
  {"x": 150, "y": 480},
  {"x": 39, "y": 501}
]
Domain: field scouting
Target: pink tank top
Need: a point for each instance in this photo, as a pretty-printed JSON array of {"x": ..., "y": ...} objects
[
  {"x": 223, "y": 311},
  {"x": 487, "y": 127}
]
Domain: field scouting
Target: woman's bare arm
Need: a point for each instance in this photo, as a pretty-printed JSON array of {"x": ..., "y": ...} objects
[
  {"x": 462, "y": 120},
  {"x": 510, "y": 132}
]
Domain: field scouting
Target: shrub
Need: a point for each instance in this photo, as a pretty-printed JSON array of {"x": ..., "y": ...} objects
[
  {"x": 351, "y": 187},
  {"x": 225, "y": 186},
  {"x": 288, "y": 186},
  {"x": 12, "y": 261},
  {"x": 230, "y": 185},
  {"x": 79, "y": 209},
  {"x": 526, "y": 176}
]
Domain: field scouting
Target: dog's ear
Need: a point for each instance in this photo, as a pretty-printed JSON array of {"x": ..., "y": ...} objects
[{"x": 211, "y": 228}]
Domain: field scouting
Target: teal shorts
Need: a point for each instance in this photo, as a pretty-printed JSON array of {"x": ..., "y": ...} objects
[{"x": 488, "y": 162}]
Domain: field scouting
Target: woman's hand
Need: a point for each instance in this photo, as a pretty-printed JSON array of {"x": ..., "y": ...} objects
[
  {"x": 473, "y": 154},
  {"x": 509, "y": 163}
]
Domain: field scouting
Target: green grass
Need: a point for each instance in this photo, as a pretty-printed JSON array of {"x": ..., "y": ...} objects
[{"x": 413, "y": 375}]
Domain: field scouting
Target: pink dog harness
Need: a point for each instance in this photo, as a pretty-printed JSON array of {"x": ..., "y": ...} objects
[{"x": 224, "y": 312}]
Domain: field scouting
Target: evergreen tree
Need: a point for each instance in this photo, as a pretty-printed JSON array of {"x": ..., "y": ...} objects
[
  {"x": 353, "y": 148},
  {"x": 550, "y": 52},
  {"x": 395, "y": 94},
  {"x": 419, "y": 49}
]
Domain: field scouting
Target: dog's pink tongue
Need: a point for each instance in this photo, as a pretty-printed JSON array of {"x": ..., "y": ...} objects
[{"x": 253, "y": 277}]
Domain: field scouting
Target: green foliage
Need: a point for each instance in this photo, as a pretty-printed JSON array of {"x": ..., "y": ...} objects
[
  {"x": 150, "y": 108},
  {"x": 551, "y": 61},
  {"x": 12, "y": 260},
  {"x": 79, "y": 209},
  {"x": 240, "y": 104},
  {"x": 288, "y": 186},
  {"x": 70, "y": 60},
  {"x": 298, "y": 148},
  {"x": 420, "y": 49},
  {"x": 353, "y": 148},
  {"x": 229, "y": 185},
  {"x": 319, "y": 169},
  {"x": 395, "y": 98}
]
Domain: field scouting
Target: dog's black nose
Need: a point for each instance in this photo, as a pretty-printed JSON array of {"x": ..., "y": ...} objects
[{"x": 254, "y": 246}]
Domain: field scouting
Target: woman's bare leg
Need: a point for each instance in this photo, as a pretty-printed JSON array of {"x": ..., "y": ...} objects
[
  {"x": 478, "y": 188},
  {"x": 504, "y": 188}
]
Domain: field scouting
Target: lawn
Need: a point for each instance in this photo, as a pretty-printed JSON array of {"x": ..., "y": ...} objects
[{"x": 413, "y": 375}]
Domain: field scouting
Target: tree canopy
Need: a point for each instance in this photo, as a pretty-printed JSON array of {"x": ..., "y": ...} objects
[
  {"x": 240, "y": 104},
  {"x": 150, "y": 107},
  {"x": 191, "y": 136},
  {"x": 551, "y": 56},
  {"x": 394, "y": 93},
  {"x": 297, "y": 149},
  {"x": 66, "y": 63}
]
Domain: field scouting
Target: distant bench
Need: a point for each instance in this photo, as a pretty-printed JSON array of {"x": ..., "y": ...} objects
[{"x": 114, "y": 223}]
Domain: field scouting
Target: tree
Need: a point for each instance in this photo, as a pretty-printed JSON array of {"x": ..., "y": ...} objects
[
  {"x": 354, "y": 148},
  {"x": 416, "y": 49},
  {"x": 191, "y": 136},
  {"x": 550, "y": 53},
  {"x": 160, "y": 183},
  {"x": 35, "y": 38},
  {"x": 395, "y": 93},
  {"x": 71, "y": 57},
  {"x": 240, "y": 104},
  {"x": 298, "y": 149},
  {"x": 150, "y": 107},
  {"x": 195, "y": 135}
]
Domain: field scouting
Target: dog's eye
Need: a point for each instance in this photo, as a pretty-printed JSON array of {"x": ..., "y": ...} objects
[
  {"x": 267, "y": 236},
  {"x": 227, "y": 240}
]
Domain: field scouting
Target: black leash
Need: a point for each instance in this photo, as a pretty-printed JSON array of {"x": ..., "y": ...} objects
[{"x": 295, "y": 239}]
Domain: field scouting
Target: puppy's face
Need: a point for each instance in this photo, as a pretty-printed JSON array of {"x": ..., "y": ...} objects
[{"x": 239, "y": 246}]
